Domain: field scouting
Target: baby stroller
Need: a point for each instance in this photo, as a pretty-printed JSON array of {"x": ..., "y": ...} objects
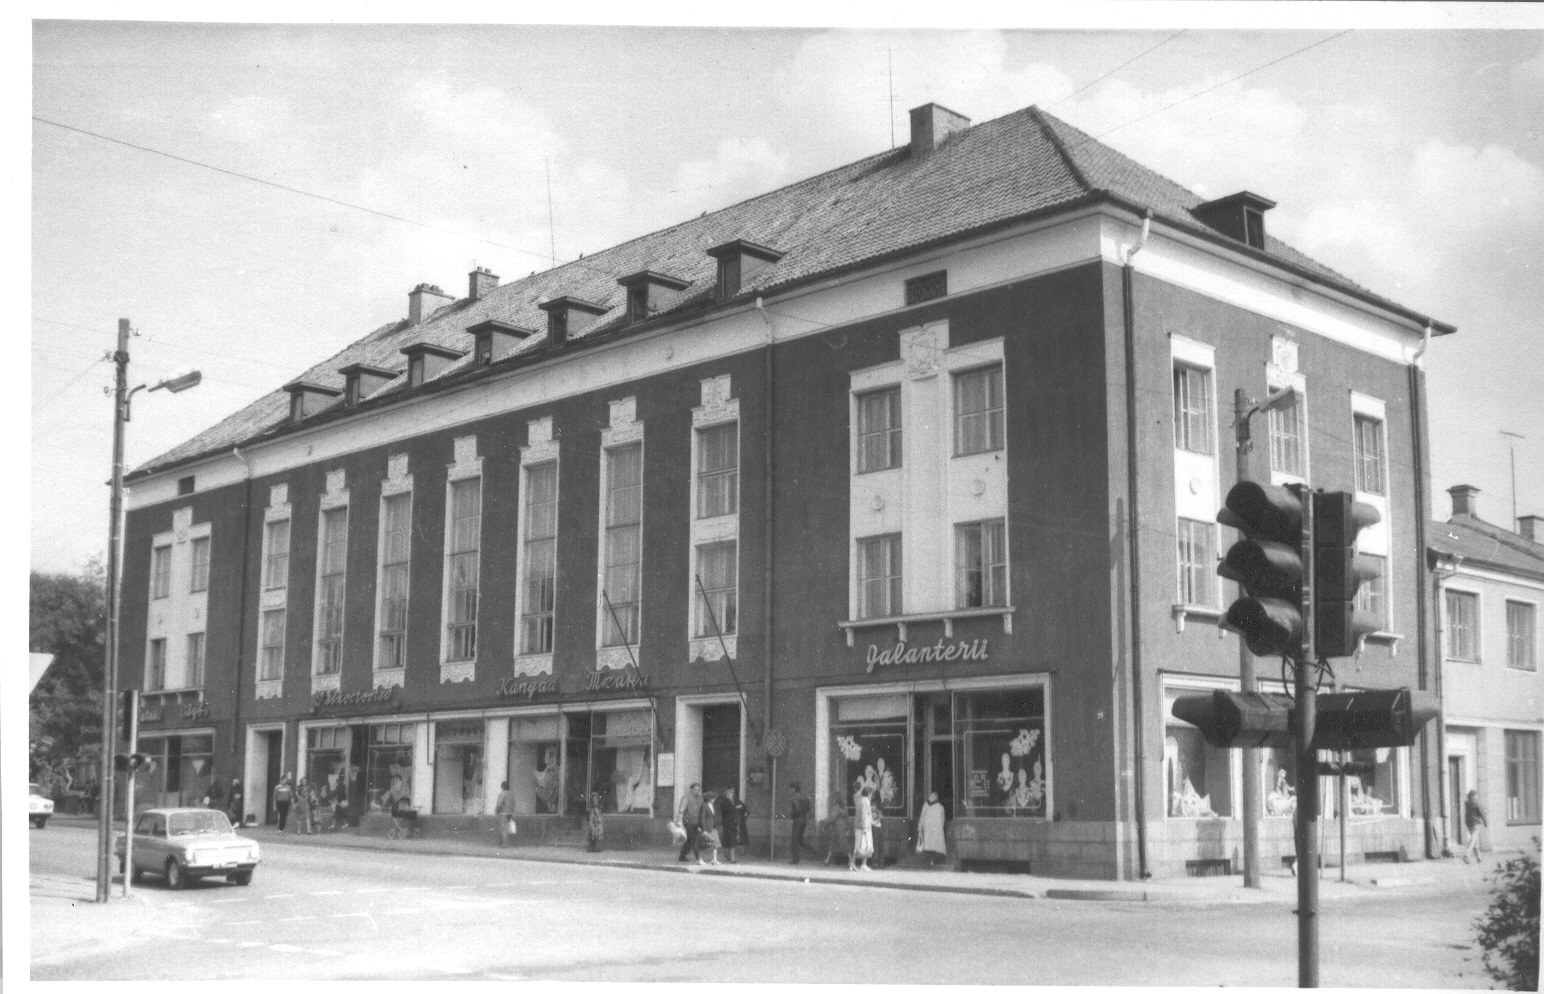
[{"x": 404, "y": 820}]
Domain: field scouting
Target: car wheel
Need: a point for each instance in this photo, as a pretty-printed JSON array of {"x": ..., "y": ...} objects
[
  {"x": 242, "y": 879},
  {"x": 40, "y": 822},
  {"x": 175, "y": 878},
  {"x": 136, "y": 876}
]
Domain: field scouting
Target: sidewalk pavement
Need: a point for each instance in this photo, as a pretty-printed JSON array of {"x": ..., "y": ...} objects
[{"x": 1362, "y": 880}]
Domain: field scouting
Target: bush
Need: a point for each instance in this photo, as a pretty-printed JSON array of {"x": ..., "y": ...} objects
[{"x": 1508, "y": 931}]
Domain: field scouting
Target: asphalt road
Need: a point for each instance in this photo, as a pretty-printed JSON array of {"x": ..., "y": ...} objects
[{"x": 320, "y": 914}]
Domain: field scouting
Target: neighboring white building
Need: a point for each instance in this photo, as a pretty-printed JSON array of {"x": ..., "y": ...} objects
[{"x": 1490, "y": 589}]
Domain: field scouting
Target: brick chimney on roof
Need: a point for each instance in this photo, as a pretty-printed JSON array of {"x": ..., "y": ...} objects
[
  {"x": 423, "y": 300},
  {"x": 480, "y": 282},
  {"x": 1528, "y": 527},
  {"x": 1465, "y": 500},
  {"x": 930, "y": 125}
]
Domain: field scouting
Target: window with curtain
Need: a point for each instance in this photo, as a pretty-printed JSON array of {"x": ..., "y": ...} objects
[
  {"x": 1285, "y": 428},
  {"x": 160, "y": 572},
  {"x": 194, "y": 675},
  {"x": 1197, "y": 562},
  {"x": 624, "y": 550},
  {"x": 276, "y": 555},
  {"x": 331, "y": 588},
  {"x": 1192, "y": 409},
  {"x": 1521, "y": 636},
  {"x": 1463, "y": 610},
  {"x": 980, "y": 564},
  {"x": 718, "y": 470},
  {"x": 462, "y": 553},
  {"x": 396, "y": 554},
  {"x": 1197, "y": 777},
  {"x": 716, "y": 568},
  {"x": 540, "y": 558},
  {"x": 155, "y": 666},
  {"x": 271, "y": 661},
  {"x": 1370, "y": 465},
  {"x": 879, "y": 430},
  {"x": 1372, "y": 596},
  {"x": 1522, "y": 777},
  {"x": 879, "y": 576},
  {"x": 978, "y": 411},
  {"x": 198, "y": 579}
]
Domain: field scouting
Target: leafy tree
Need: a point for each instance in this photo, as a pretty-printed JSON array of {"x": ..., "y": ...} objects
[
  {"x": 1508, "y": 931},
  {"x": 67, "y": 618}
]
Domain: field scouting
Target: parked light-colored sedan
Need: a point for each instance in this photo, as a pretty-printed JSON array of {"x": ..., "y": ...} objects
[
  {"x": 183, "y": 844},
  {"x": 39, "y": 808}
]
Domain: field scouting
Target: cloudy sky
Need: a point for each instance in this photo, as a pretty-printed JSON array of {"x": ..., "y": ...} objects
[{"x": 1412, "y": 161}]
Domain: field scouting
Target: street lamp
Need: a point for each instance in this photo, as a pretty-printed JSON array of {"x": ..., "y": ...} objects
[{"x": 176, "y": 383}]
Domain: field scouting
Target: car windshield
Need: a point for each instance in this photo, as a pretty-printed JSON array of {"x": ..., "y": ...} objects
[{"x": 198, "y": 823}]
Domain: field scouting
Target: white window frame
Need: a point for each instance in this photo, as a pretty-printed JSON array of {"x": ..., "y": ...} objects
[
  {"x": 273, "y": 598},
  {"x": 955, "y": 375},
  {"x": 541, "y": 449},
  {"x": 1479, "y": 627},
  {"x": 625, "y": 430},
  {"x": 468, "y": 465},
  {"x": 1007, "y": 564},
  {"x": 398, "y": 483},
  {"x": 160, "y": 642},
  {"x": 1179, "y": 684},
  {"x": 161, "y": 578},
  {"x": 203, "y": 659},
  {"x": 206, "y": 542},
  {"x": 1281, "y": 477},
  {"x": 717, "y": 409},
  {"x": 334, "y": 501},
  {"x": 1375, "y": 540},
  {"x": 1533, "y": 644}
]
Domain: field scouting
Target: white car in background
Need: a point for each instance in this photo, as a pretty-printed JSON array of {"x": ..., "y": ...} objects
[{"x": 39, "y": 808}]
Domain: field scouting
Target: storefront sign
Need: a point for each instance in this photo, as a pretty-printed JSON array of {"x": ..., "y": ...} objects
[
  {"x": 149, "y": 714},
  {"x": 195, "y": 709},
  {"x": 620, "y": 680},
  {"x": 980, "y": 784},
  {"x": 343, "y": 698},
  {"x": 526, "y": 688},
  {"x": 906, "y": 654}
]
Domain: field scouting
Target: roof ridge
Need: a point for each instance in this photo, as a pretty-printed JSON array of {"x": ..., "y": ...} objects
[
  {"x": 1501, "y": 536},
  {"x": 1062, "y": 152}
]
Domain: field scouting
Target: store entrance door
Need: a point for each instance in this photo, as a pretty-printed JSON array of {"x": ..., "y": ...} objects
[
  {"x": 1456, "y": 790},
  {"x": 721, "y": 747},
  {"x": 273, "y": 770}
]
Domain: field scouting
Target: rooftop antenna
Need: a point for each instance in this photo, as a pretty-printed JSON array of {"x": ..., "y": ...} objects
[
  {"x": 1513, "y": 446},
  {"x": 890, "y": 71},
  {"x": 552, "y": 238}
]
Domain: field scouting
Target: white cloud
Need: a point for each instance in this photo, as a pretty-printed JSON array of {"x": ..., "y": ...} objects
[{"x": 249, "y": 119}]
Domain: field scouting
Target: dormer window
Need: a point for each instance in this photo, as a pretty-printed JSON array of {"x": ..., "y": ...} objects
[
  {"x": 569, "y": 316},
  {"x": 360, "y": 381},
  {"x": 738, "y": 261},
  {"x": 1240, "y": 216},
  {"x": 495, "y": 340},
  {"x": 307, "y": 399},
  {"x": 649, "y": 292},
  {"x": 425, "y": 361}
]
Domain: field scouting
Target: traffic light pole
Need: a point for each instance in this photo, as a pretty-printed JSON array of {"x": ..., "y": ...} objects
[
  {"x": 128, "y": 797},
  {"x": 1242, "y": 411},
  {"x": 1307, "y": 816},
  {"x": 104, "y": 887}
]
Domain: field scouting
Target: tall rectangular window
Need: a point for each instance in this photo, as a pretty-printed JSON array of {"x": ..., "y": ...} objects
[
  {"x": 1372, "y": 596},
  {"x": 1197, "y": 776},
  {"x": 624, "y": 550},
  {"x": 396, "y": 554},
  {"x": 1197, "y": 562},
  {"x": 1462, "y": 632},
  {"x": 879, "y": 430},
  {"x": 1285, "y": 426},
  {"x": 1369, "y": 455},
  {"x": 540, "y": 559},
  {"x": 718, "y": 470},
  {"x": 716, "y": 567},
  {"x": 195, "y": 668},
  {"x": 464, "y": 547},
  {"x": 331, "y": 587},
  {"x": 879, "y": 576},
  {"x": 1522, "y": 777},
  {"x": 1192, "y": 409},
  {"x": 276, "y": 555},
  {"x": 271, "y": 662},
  {"x": 199, "y": 579},
  {"x": 160, "y": 572},
  {"x": 155, "y": 666},
  {"x": 980, "y": 565},
  {"x": 1521, "y": 636},
  {"x": 978, "y": 411}
]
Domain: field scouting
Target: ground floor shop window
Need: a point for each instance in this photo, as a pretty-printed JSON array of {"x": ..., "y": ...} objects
[
  {"x": 1278, "y": 778},
  {"x": 535, "y": 764},
  {"x": 326, "y": 763},
  {"x": 181, "y": 778},
  {"x": 389, "y": 767},
  {"x": 1001, "y": 737},
  {"x": 1197, "y": 777},
  {"x": 458, "y": 767},
  {"x": 1522, "y": 777},
  {"x": 609, "y": 754},
  {"x": 868, "y": 748}
]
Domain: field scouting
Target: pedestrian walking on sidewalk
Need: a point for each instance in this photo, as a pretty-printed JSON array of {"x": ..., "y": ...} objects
[
  {"x": 686, "y": 817},
  {"x": 233, "y": 801},
  {"x": 863, "y": 831},
  {"x": 838, "y": 832},
  {"x": 504, "y": 810},
  {"x": 595, "y": 825},
  {"x": 930, "y": 831},
  {"x": 283, "y": 800},
  {"x": 1474, "y": 818},
  {"x": 799, "y": 814},
  {"x": 881, "y": 848},
  {"x": 303, "y": 807},
  {"x": 707, "y": 829},
  {"x": 735, "y": 818}
]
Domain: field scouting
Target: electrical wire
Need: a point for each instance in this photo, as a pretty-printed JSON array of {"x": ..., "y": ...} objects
[{"x": 1117, "y": 69}]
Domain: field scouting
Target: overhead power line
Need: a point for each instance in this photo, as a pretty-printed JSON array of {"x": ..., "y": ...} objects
[{"x": 1120, "y": 67}]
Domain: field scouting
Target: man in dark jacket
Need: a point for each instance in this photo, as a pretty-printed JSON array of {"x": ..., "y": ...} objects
[
  {"x": 687, "y": 815},
  {"x": 1474, "y": 817},
  {"x": 732, "y": 816},
  {"x": 799, "y": 814}
]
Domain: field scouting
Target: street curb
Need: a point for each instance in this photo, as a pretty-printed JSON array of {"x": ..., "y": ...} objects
[{"x": 1064, "y": 894}]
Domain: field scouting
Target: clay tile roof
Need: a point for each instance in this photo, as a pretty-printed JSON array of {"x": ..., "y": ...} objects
[
  {"x": 1020, "y": 164},
  {"x": 1482, "y": 543}
]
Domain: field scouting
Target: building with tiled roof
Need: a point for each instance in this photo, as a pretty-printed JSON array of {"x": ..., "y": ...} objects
[
  {"x": 904, "y": 475},
  {"x": 1489, "y": 583}
]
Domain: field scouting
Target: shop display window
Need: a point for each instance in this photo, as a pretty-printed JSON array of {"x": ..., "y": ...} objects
[
  {"x": 621, "y": 761},
  {"x": 1002, "y": 753},
  {"x": 535, "y": 764},
  {"x": 868, "y": 747},
  {"x": 1278, "y": 779},
  {"x": 389, "y": 768},
  {"x": 1197, "y": 777},
  {"x": 326, "y": 757},
  {"x": 1367, "y": 796},
  {"x": 458, "y": 767}
]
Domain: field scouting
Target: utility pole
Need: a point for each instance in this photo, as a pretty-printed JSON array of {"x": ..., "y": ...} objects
[
  {"x": 120, "y": 358},
  {"x": 1242, "y": 410},
  {"x": 1306, "y": 817}
]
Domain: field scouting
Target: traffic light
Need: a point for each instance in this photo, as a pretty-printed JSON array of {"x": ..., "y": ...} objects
[
  {"x": 137, "y": 762},
  {"x": 128, "y": 710},
  {"x": 1338, "y": 627},
  {"x": 1231, "y": 720},
  {"x": 1373, "y": 719},
  {"x": 1267, "y": 563}
]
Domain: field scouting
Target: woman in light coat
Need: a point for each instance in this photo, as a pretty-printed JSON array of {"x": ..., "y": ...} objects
[
  {"x": 930, "y": 830},
  {"x": 863, "y": 831}
]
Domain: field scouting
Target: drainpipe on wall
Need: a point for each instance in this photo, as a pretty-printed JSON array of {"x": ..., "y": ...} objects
[
  {"x": 1134, "y": 537},
  {"x": 1433, "y": 850},
  {"x": 1438, "y": 576},
  {"x": 241, "y": 611},
  {"x": 766, "y": 578}
]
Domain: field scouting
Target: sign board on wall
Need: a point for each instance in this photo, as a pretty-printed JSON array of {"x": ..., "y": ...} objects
[
  {"x": 980, "y": 784},
  {"x": 664, "y": 775}
]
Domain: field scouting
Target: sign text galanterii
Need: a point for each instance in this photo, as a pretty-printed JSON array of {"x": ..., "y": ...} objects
[{"x": 907, "y": 654}]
